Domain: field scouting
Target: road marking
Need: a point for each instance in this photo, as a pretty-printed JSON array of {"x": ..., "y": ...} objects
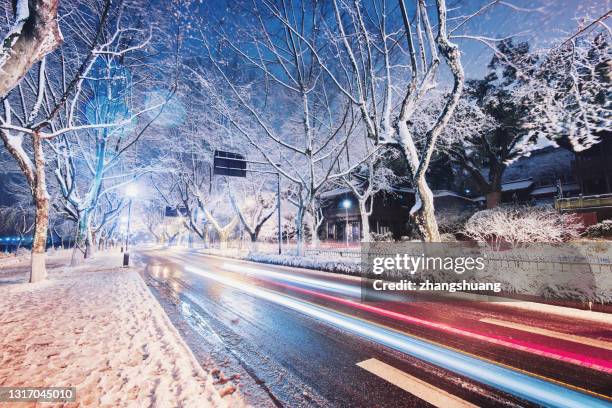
[
  {"x": 550, "y": 333},
  {"x": 418, "y": 388}
]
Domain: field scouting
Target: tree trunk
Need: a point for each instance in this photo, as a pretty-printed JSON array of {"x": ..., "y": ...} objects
[
  {"x": 254, "y": 245},
  {"x": 299, "y": 230},
  {"x": 314, "y": 238},
  {"x": 493, "y": 199},
  {"x": 83, "y": 244},
  {"x": 223, "y": 238},
  {"x": 41, "y": 201},
  {"x": 423, "y": 212},
  {"x": 90, "y": 243},
  {"x": 34, "y": 34},
  {"x": 206, "y": 236},
  {"x": 365, "y": 222}
]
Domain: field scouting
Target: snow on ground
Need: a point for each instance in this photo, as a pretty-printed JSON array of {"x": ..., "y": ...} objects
[
  {"x": 8, "y": 259},
  {"x": 98, "y": 328}
]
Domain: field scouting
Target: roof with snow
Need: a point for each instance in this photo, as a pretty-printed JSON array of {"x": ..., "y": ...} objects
[
  {"x": 448, "y": 193},
  {"x": 437, "y": 193},
  {"x": 335, "y": 192},
  {"x": 517, "y": 185},
  {"x": 544, "y": 164},
  {"x": 545, "y": 190}
]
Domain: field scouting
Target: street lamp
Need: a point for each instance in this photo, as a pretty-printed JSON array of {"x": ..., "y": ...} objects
[
  {"x": 131, "y": 192},
  {"x": 346, "y": 204}
]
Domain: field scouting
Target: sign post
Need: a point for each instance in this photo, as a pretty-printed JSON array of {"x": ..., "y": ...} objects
[{"x": 235, "y": 165}]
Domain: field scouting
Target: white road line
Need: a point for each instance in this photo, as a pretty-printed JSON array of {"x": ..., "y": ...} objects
[
  {"x": 418, "y": 388},
  {"x": 550, "y": 333}
]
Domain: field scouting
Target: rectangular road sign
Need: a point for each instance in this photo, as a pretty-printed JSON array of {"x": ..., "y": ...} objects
[{"x": 229, "y": 164}]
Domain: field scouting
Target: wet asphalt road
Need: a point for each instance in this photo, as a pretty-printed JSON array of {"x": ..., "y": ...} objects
[{"x": 295, "y": 358}]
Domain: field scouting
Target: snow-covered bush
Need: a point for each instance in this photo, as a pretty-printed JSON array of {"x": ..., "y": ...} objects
[
  {"x": 384, "y": 237},
  {"x": 515, "y": 224},
  {"x": 600, "y": 230},
  {"x": 22, "y": 252},
  {"x": 350, "y": 266},
  {"x": 452, "y": 222},
  {"x": 446, "y": 237}
]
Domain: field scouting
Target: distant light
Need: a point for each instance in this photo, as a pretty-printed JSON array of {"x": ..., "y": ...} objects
[
  {"x": 346, "y": 203},
  {"x": 467, "y": 191},
  {"x": 131, "y": 190}
]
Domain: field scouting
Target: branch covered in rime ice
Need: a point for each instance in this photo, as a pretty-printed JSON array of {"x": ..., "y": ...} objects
[{"x": 570, "y": 92}]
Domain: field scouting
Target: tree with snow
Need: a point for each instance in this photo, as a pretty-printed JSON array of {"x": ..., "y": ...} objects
[
  {"x": 384, "y": 64},
  {"x": 253, "y": 204},
  {"x": 306, "y": 144},
  {"x": 372, "y": 177},
  {"x": 569, "y": 93},
  {"x": 486, "y": 133},
  {"x": 98, "y": 163},
  {"x": 47, "y": 105},
  {"x": 34, "y": 33}
]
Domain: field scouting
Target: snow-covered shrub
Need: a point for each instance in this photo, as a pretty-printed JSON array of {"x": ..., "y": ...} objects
[
  {"x": 350, "y": 266},
  {"x": 515, "y": 224},
  {"x": 453, "y": 222},
  {"x": 600, "y": 230},
  {"x": 385, "y": 237},
  {"x": 22, "y": 252},
  {"x": 446, "y": 237}
]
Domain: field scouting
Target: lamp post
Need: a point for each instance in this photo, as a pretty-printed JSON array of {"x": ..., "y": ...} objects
[
  {"x": 346, "y": 204},
  {"x": 131, "y": 192}
]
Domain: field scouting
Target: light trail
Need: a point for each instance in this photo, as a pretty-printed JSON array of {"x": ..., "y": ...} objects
[
  {"x": 578, "y": 359},
  {"x": 518, "y": 344},
  {"x": 317, "y": 283},
  {"x": 507, "y": 380}
]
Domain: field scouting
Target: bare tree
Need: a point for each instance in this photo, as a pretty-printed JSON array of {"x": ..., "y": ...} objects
[
  {"x": 366, "y": 49},
  {"x": 47, "y": 105},
  {"x": 308, "y": 146},
  {"x": 369, "y": 179},
  {"x": 255, "y": 207}
]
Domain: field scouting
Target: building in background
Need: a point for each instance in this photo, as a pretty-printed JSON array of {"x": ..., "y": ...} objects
[
  {"x": 390, "y": 212},
  {"x": 577, "y": 182}
]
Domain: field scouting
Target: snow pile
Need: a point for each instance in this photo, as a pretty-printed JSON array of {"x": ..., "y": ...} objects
[
  {"x": 600, "y": 230},
  {"x": 103, "y": 333}
]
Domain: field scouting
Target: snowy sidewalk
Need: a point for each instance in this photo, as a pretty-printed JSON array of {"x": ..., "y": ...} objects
[{"x": 98, "y": 328}]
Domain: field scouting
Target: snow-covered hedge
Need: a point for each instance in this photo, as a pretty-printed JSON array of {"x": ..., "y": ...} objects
[
  {"x": 600, "y": 230},
  {"x": 384, "y": 237},
  {"x": 346, "y": 266},
  {"x": 515, "y": 224}
]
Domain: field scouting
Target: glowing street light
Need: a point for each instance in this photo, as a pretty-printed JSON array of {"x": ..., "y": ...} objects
[
  {"x": 131, "y": 190},
  {"x": 346, "y": 204}
]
